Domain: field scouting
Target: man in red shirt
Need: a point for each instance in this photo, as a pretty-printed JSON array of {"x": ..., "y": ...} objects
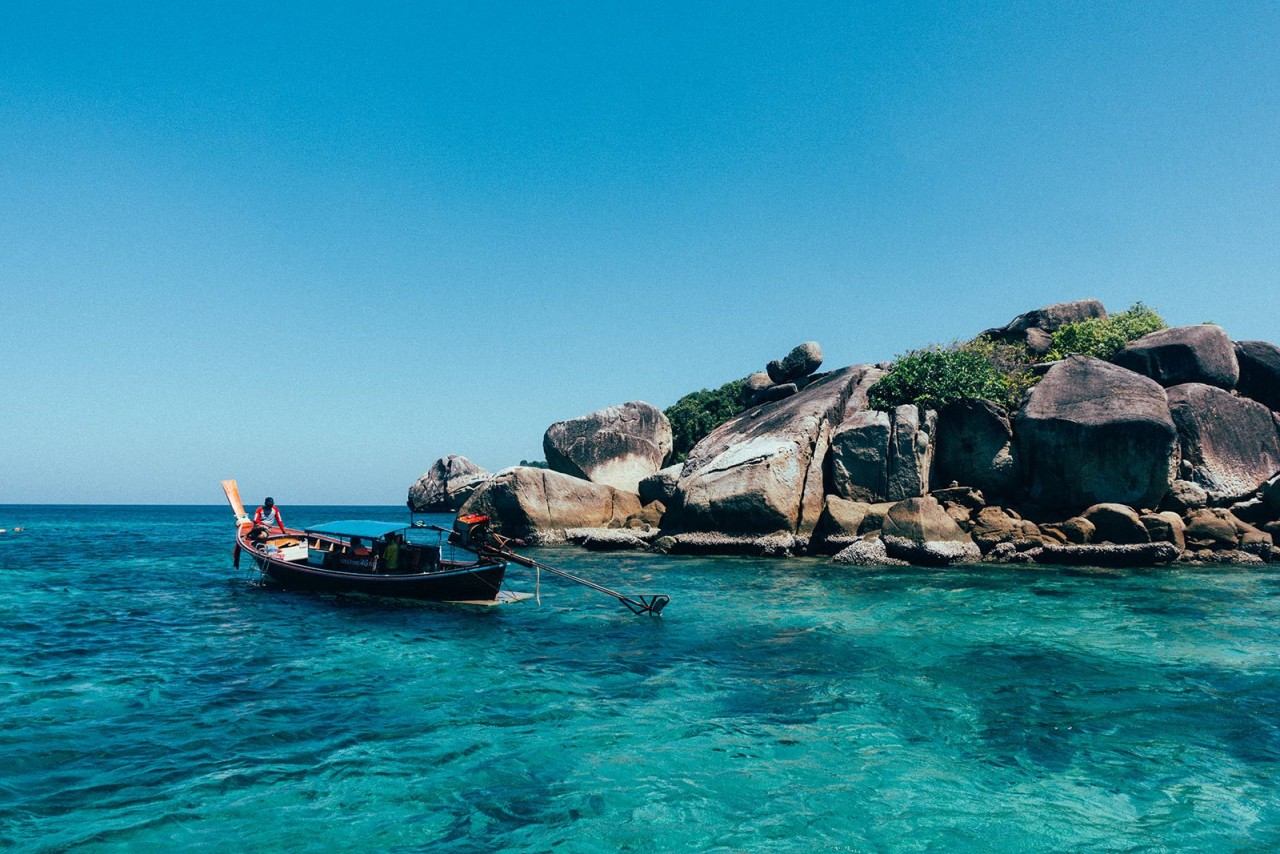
[{"x": 267, "y": 515}]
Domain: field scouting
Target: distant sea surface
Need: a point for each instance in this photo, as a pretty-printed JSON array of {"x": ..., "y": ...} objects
[{"x": 155, "y": 700}]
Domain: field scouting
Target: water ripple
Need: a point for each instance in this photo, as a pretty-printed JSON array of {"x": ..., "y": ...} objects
[{"x": 154, "y": 700}]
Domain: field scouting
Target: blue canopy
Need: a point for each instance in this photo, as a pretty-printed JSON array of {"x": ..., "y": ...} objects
[{"x": 357, "y": 528}]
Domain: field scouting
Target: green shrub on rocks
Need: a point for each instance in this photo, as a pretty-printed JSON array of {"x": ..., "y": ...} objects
[
  {"x": 936, "y": 376},
  {"x": 1105, "y": 338},
  {"x": 695, "y": 415},
  {"x": 1000, "y": 371}
]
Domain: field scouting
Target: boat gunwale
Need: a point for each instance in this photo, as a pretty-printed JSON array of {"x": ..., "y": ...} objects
[{"x": 302, "y": 566}]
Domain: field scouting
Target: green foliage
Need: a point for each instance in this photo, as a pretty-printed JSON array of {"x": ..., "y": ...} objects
[
  {"x": 936, "y": 376},
  {"x": 695, "y": 415},
  {"x": 1105, "y": 338},
  {"x": 535, "y": 464},
  {"x": 998, "y": 371}
]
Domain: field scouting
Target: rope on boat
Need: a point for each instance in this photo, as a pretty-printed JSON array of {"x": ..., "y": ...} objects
[{"x": 497, "y": 546}]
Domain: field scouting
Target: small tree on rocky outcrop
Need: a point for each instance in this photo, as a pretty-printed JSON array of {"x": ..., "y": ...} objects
[
  {"x": 1105, "y": 337},
  {"x": 997, "y": 367},
  {"x": 695, "y": 415},
  {"x": 935, "y": 376}
]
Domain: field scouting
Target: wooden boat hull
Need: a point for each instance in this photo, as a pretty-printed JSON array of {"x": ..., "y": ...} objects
[{"x": 475, "y": 583}]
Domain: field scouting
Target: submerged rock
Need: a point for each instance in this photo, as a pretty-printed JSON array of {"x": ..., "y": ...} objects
[
  {"x": 1131, "y": 555},
  {"x": 867, "y": 552}
]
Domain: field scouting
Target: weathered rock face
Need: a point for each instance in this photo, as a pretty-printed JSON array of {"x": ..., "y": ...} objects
[
  {"x": 1231, "y": 443},
  {"x": 973, "y": 445},
  {"x": 1183, "y": 354},
  {"x": 762, "y": 471},
  {"x": 446, "y": 485},
  {"x": 919, "y": 530},
  {"x": 661, "y": 485},
  {"x": 1271, "y": 497},
  {"x": 803, "y": 360},
  {"x": 912, "y": 452},
  {"x": 773, "y": 392},
  {"x": 618, "y": 446},
  {"x": 860, "y": 455},
  {"x": 540, "y": 504},
  {"x": 881, "y": 456},
  {"x": 1092, "y": 432},
  {"x": 1259, "y": 372}
]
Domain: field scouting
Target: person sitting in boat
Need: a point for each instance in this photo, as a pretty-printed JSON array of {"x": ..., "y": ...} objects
[
  {"x": 359, "y": 549},
  {"x": 266, "y": 516}
]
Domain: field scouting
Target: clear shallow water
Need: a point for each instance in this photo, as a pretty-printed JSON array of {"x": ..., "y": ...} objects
[{"x": 153, "y": 700}]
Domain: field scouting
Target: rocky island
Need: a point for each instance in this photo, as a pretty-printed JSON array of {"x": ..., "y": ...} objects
[{"x": 1066, "y": 436}]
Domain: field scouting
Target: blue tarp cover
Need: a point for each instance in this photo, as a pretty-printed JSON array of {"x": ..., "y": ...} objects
[{"x": 357, "y": 528}]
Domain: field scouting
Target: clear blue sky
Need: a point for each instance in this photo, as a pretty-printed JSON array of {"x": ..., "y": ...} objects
[{"x": 317, "y": 246}]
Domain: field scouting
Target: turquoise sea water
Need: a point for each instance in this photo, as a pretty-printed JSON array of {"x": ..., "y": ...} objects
[{"x": 154, "y": 700}]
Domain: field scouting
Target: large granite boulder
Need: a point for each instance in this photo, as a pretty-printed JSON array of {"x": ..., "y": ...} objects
[
  {"x": 1093, "y": 432},
  {"x": 883, "y": 456},
  {"x": 446, "y": 485},
  {"x": 973, "y": 445},
  {"x": 1166, "y": 527},
  {"x": 1259, "y": 372},
  {"x": 761, "y": 472},
  {"x": 918, "y": 530},
  {"x": 1035, "y": 329},
  {"x": 860, "y": 456},
  {"x": 1231, "y": 445},
  {"x": 911, "y": 452},
  {"x": 618, "y": 446},
  {"x": 1116, "y": 523},
  {"x": 1183, "y": 354},
  {"x": 839, "y": 524},
  {"x": 1051, "y": 318},
  {"x": 803, "y": 360},
  {"x": 540, "y": 504},
  {"x": 1214, "y": 528}
]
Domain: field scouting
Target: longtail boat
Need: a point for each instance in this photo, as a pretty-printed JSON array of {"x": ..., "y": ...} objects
[
  {"x": 388, "y": 559},
  {"x": 375, "y": 558}
]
